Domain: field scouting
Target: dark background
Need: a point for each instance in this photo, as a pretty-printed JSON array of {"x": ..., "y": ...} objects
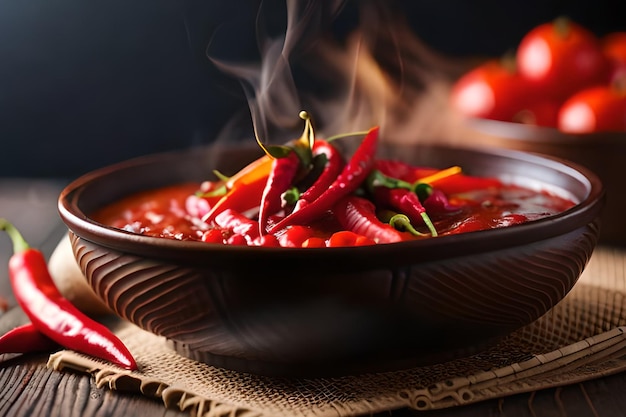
[{"x": 87, "y": 83}]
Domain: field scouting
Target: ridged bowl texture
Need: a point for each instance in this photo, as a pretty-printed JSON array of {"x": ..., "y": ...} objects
[{"x": 334, "y": 311}]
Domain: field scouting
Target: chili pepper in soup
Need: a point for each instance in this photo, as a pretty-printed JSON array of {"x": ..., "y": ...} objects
[
  {"x": 454, "y": 204},
  {"x": 308, "y": 194}
]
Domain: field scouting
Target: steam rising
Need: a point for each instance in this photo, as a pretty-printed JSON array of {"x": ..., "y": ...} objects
[{"x": 379, "y": 74}]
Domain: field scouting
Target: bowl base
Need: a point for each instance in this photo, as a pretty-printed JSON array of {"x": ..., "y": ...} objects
[{"x": 358, "y": 364}]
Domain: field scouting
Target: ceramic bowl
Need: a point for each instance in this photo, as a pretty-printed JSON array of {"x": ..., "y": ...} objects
[
  {"x": 334, "y": 311},
  {"x": 603, "y": 153}
]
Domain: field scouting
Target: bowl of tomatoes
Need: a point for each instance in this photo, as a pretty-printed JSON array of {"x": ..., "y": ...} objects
[
  {"x": 562, "y": 92},
  {"x": 333, "y": 257}
]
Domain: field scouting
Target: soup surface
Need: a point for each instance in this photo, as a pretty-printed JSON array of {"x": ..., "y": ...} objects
[
  {"x": 463, "y": 204},
  {"x": 307, "y": 193}
]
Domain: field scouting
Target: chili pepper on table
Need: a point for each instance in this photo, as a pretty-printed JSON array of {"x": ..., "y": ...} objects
[
  {"x": 51, "y": 313},
  {"x": 348, "y": 180},
  {"x": 24, "y": 339}
]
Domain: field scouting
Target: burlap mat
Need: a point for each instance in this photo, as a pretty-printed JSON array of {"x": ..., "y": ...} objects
[{"x": 580, "y": 339}]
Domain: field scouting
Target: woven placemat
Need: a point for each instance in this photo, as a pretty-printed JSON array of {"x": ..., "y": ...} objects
[{"x": 582, "y": 338}]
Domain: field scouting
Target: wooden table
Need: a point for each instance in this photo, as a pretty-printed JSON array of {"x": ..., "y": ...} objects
[{"x": 28, "y": 388}]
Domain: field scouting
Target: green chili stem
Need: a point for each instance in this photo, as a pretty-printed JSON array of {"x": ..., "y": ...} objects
[
  {"x": 346, "y": 135},
  {"x": 429, "y": 224},
  {"x": 220, "y": 176},
  {"x": 19, "y": 243},
  {"x": 378, "y": 179},
  {"x": 220, "y": 191},
  {"x": 402, "y": 221}
]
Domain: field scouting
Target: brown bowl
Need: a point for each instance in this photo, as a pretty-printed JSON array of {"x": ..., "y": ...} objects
[
  {"x": 604, "y": 153},
  {"x": 333, "y": 311}
]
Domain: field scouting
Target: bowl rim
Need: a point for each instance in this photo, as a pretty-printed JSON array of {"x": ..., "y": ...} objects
[{"x": 583, "y": 213}]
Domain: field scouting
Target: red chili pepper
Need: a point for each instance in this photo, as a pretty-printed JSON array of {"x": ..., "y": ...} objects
[
  {"x": 281, "y": 178},
  {"x": 462, "y": 183},
  {"x": 437, "y": 204},
  {"x": 358, "y": 215},
  {"x": 238, "y": 224},
  {"x": 403, "y": 200},
  {"x": 350, "y": 178},
  {"x": 399, "y": 195},
  {"x": 25, "y": 339},
  {"x": 333, "y": 167},
  {"x": 51, "y": 313},
  {"x": 396, "y": 169}
]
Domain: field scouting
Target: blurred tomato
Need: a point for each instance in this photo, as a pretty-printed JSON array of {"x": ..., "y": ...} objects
[
  {"x": 493, "y": 90},
  {"x": 562, "y": 57},
  {"x": 539, "y": 112},
  {"x": 614, "y": 47},
  {"x": 596, "y": 109}
]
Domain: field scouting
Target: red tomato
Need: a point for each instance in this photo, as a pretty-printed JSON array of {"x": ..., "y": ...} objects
[
  {"x": 614, "y": 47},
  {"x": 562, "y": 57},
  {"x": 348, "y": 238},
  {"x": 294, "y": 236},
  {"x": 539, "y": 113},
  {"x": 596, "y": 109},
  {"x": 492, "y": 90}
]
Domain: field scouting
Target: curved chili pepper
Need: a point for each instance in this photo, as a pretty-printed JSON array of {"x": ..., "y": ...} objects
[
  {"x": 24, "y": 339},
  {"x": 282, "y": 175},
  {"x": 358, "y": 215},
  {"x": 332, "y": 168},
  {"x": 401, "y": 196},
  {"x": 437, "y": 204},
  {"x": 285, "y": 168},
  {"x": 51, "y": 313},
  {"x": 256, "y": 169},
  {"x": 239, "y": 224},
  {"x": 350, "y": 178},
  {"x": 406, "y": 202},
  {"x": 245, "y": 195}
]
